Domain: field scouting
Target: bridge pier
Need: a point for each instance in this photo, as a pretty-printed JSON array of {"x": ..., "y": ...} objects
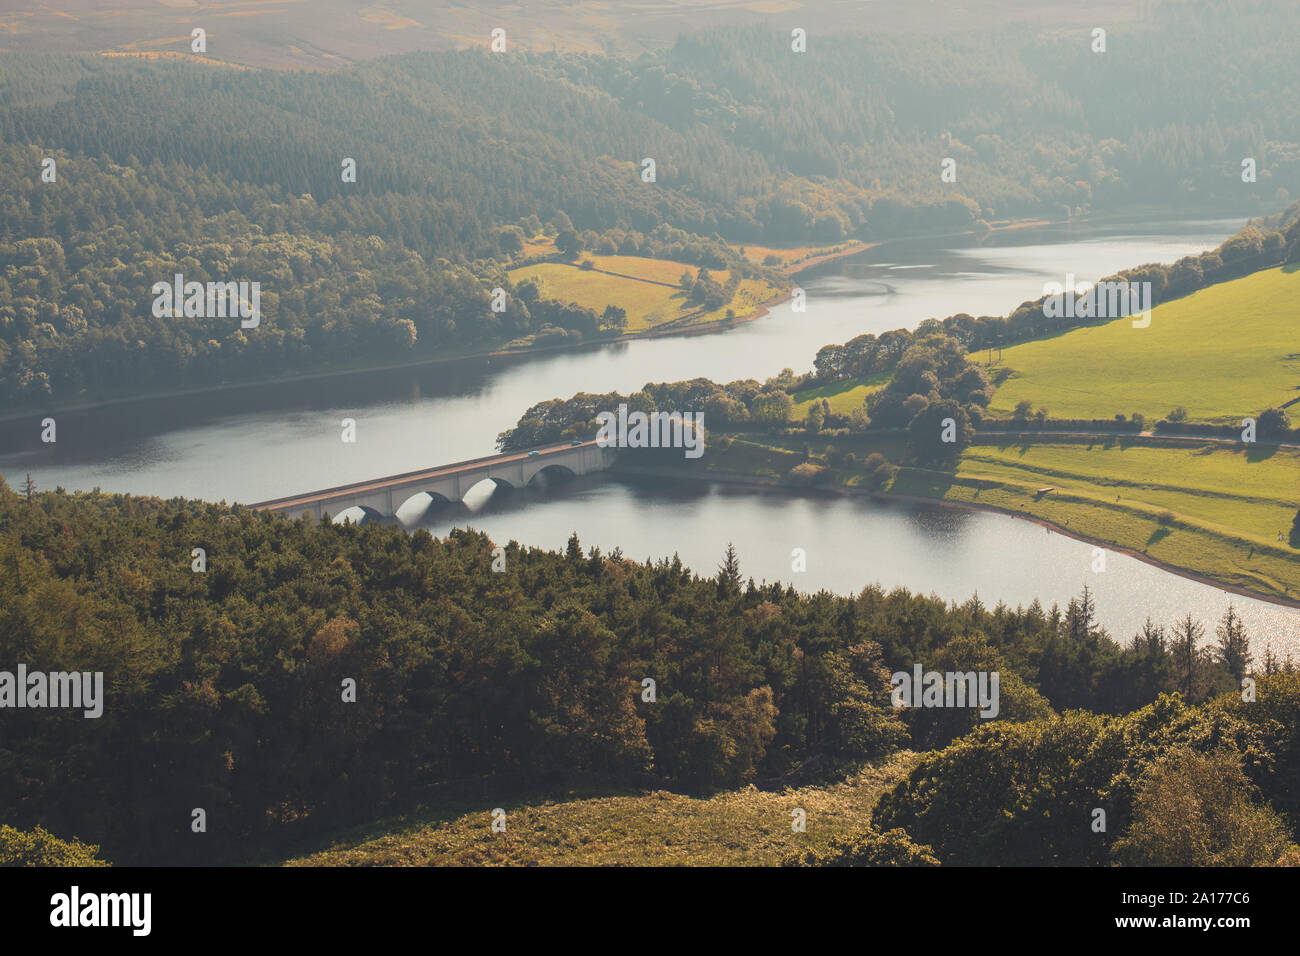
[{"x": 451, "y": 482}]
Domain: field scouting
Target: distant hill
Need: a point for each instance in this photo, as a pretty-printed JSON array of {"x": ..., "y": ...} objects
[
  {"x": 327, "y": 34},
  {"x": 176, "y": 165}
]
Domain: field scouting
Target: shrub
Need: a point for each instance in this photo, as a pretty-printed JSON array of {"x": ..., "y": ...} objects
[
  {"x": 871, "y": 848},
  {"x": 1022, "y": 794},
  {"x": 808, "y": 474},
  {"x": 1273, "y": 423},
  {"x": 1195, "y": 809},
  {"x": 882, "y": 475},
  {"x": 39, "y": 847}
]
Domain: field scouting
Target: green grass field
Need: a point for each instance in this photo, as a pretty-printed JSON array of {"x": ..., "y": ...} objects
[
  {"x": 1224, "y": 353},
  {"x": 794, "y": 255},
  {"x": 1250, "y": 493},
  {"x": 639, "y": 289},
  {"x": 745, "y": 827},
  {"x": 842, "y": 396},
  {"x": 1226, "y": 508},
  {"x": 749, "y": 456}
]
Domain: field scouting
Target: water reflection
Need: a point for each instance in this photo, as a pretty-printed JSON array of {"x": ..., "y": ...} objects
[{"x": 853, "y": 542}]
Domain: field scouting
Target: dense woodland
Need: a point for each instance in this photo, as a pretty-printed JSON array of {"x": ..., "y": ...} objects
[
  {"x": 224, "y": 691},
  {"x": 932, "y": 379},
  {"x": 220, "y": 173}
]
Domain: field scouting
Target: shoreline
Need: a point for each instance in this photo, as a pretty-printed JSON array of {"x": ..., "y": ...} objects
[
  {"x": 850, "y": 491},
  {"x": 719, "y": 325}
]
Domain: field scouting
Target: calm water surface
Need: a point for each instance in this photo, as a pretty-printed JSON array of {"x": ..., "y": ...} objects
[
  {"x": 267, "y": 441},
  {"x": 851, "y": 542}
]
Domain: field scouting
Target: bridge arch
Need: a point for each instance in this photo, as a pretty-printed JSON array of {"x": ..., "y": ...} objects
[
  {"x": 468, "y": 484},
  {"x": 484, "y": 490},
  {"x": 358, "y": 515},
  {"x": 417, "y": 504},
  {"x": 550, "y": 475}
]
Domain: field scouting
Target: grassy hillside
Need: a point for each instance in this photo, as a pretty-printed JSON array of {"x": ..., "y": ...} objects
[
  {"x": 647, "y": 289},
  {"x": 789, "y": 257},
  {"x": 1209, "y": 510},
  {"x": 843, "y": 397},
  {"x": 1223, "y": 485},
  {"x": 1223, "y": 353},
  {"x": 741, "y": 828}
]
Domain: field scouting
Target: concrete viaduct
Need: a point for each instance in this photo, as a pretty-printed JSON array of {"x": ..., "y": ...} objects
[{"x": 381, "y": 497}]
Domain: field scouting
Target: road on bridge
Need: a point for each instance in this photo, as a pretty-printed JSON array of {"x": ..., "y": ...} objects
[{"x": 378, "y": 484}]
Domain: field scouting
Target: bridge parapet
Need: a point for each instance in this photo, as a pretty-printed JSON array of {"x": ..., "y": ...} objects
[{"x": 383, "y": 496}]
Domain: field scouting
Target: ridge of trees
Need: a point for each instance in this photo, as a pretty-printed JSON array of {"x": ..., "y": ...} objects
[
  {"x": 223, "y": 688},
  {"x": 175, "y": 167}
]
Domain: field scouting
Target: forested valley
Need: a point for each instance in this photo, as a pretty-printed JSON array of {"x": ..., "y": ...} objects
[{"x": 168, "y": 168}]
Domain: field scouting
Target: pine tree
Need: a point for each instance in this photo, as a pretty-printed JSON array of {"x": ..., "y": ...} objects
[
  {"x": 729, "y": 570},
  {"x": 573, "y": 550},
  {"x": 1234, "y": 644},
  {"x": 1081, "y": 617},
  {"x": 1187, "y": 654},
  {"x": 29, "y": 488},
  {"x": 1151, "y": 638}
]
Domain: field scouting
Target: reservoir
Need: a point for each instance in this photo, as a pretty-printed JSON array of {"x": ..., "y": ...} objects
[
  {"x": 265, "y": 441},
  {"x": 854, "y": 541}
]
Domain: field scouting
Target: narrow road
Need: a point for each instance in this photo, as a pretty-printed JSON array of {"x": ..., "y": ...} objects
[{"x": 1155, "y": 436}]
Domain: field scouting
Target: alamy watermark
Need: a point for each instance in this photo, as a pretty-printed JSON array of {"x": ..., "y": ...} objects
[
  {"x": 78, "y": 690},
  {"x": 77, "y": 909},
  {"x": 1109, "y": 299},
  {"x": 950, "y": 689},
  {"x": 655, "y": 430},
  {"x": 213, "y": 300}
]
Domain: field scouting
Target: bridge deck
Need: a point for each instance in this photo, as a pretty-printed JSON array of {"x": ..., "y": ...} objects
[{"x": 442, "y": 471}]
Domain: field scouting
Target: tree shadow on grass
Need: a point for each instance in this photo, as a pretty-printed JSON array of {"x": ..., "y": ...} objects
[
  {"x": 927, "y": 483},
  {"x": 1258, "y": 452},
  {"x": 1020, "y": 448},
  {"x": 1106, "y": 443},
  {"x": 1158, "y": 535},
  {"x": 1254, "y": 451}
]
